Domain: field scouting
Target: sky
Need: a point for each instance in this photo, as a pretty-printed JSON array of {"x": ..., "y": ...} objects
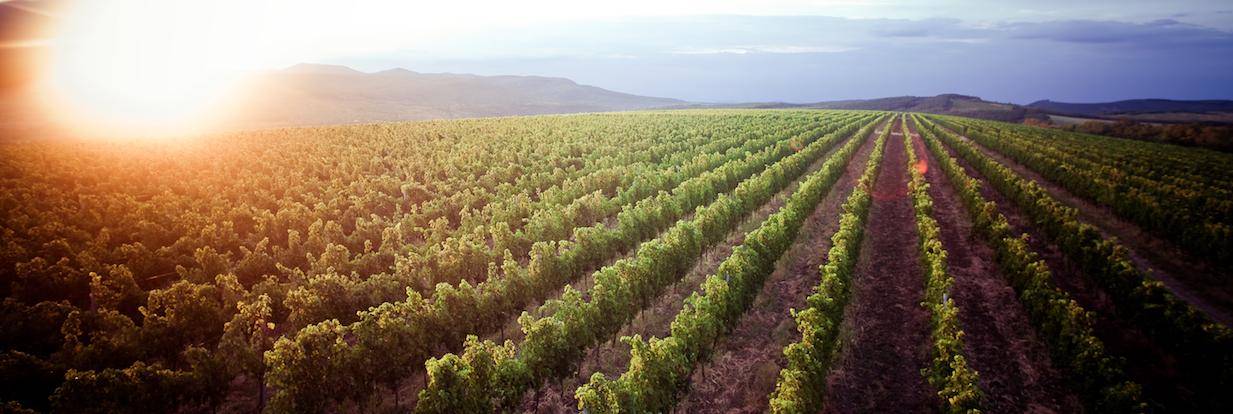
[{"x": 706, "y": 51}]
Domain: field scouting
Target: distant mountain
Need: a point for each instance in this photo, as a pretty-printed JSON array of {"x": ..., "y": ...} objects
[
  {"x": 320, "y": 69},
  {"x": 308, "y": 94}
]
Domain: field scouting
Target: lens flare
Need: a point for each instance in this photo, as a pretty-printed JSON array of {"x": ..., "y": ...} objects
[{"x": 142, "y": 67}]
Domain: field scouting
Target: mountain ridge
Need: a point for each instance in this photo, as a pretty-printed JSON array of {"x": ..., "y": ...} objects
[
  {"x": 317, "y": 94},
  {"x": 309, "y": 94}
]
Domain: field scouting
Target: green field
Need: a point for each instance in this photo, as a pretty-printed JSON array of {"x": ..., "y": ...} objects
[{"x": 697, "y": 260}]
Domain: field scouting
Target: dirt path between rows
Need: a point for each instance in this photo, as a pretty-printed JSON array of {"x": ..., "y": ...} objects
[
  {"x": 612, "y": 357},
  {"x": 886, "y": 339},
  {"x": 1165, "y": 382},
  {"x": 752, "y": 354},
  {"x": 511, "y": 330},
  {"x": 1206, "y": 286},
  {"x": 1016, "y": 374}
]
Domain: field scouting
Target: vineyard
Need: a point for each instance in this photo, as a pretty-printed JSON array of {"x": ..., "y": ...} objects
[{"x": 784, "y": 261}]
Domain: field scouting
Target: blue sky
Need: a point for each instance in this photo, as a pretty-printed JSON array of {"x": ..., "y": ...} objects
[
  {"x": 1014, "y": 51},
  {"x": 699, "y": 50}
]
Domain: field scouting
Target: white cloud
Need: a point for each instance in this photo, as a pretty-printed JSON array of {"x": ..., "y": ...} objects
[{"x": 776, "y": 49}]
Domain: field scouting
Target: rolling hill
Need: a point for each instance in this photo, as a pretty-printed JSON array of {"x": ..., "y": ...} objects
[
  {"x": 1133, "y": 106},
  {"x": 310, "y": 94},
  {"x": 1144, "y": 110},
  {"x": 317, "y": 94}
]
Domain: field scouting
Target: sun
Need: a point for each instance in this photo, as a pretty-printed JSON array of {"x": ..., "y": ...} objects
[{"x": 145, "y": 67}]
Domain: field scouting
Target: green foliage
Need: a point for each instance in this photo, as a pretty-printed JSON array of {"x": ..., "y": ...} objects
[
  {"x": 1064, "y": 325},
  {"x": 1145, "y": 301},
  {"x": 329, "y": 222},
  {"x": 1217, "y": 137},
  {"x": 802, "y": 382},
  {"x": 555, "y": 342},
  {"x": 949, "y": 374},
  {"x": 246, "y": 338},
  {"x": 472, "y": 382},
  {"x": 140, "y": 388},
  {"x": 183, "y": 315},
  {"x": 659, "y": 370},
  {"x": 1178, "y": 193},
  {"x": 306, "y": 369},
  {"x": 331, "y": 263}
]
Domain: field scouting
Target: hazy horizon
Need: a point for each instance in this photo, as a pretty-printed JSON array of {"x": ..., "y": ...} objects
[
  {"x": 819, "y": 58},
  {"x": 725, "y": 51}
]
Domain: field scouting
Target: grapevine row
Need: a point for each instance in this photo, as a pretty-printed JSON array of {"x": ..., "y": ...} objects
[
  {"x": 256, "y": 187},
  {"x": 397, "y": 336},
  {"x": 1065, "y": 326},
  {"x": 471, "y": 255},
  {"x": 802, "y": 382},
  {"x": 487, "y": 372},
  {"x": 1170, "y": 165},
  {"x": 1146, "y": 301},
  {"x": 950, "y": 374},
  {"x": 659, "y": 371},
  {"x": 1196, "y": 215}
]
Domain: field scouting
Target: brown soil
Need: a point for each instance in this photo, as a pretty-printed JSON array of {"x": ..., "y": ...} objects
[
  {"x": 752, "y": 354},
  {"x": 1148, "y": 363},
  {"x": 612, "y": 358},
  {"x": 1016, "y": 374},
  {"x": 887, "y": 330},
  {"x": 511, "y": 330},
  {"x": 1205, "y": 285}
]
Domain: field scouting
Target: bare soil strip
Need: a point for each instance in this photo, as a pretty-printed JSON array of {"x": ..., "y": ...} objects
[
  {"x": 887, "y": 339},
  {"x": 511, "y": 330},
  {"x": 742, "y": 371},
  {"x": 1016, "y": 374},
  {"x": 612, "y": 358},
  {"x": 1206, "y": 286},
  {"x": 1164, "y": 380}
]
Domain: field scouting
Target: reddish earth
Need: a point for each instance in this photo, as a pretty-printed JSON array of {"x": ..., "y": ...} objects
[
  {"x": 612, "y": 358},
  {"x": 1016, "y": 374},
  {"x": 887, "y": 340},
  {"x": 1166, "y": 380},
  {"x": 1205, "y": 285},
  {"x": 752, "y": 354}
]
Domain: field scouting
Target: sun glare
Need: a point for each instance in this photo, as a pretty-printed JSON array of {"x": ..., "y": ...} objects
[
  {"x": 144, "y": 67},
  {"x": 170, "y": 67}
]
